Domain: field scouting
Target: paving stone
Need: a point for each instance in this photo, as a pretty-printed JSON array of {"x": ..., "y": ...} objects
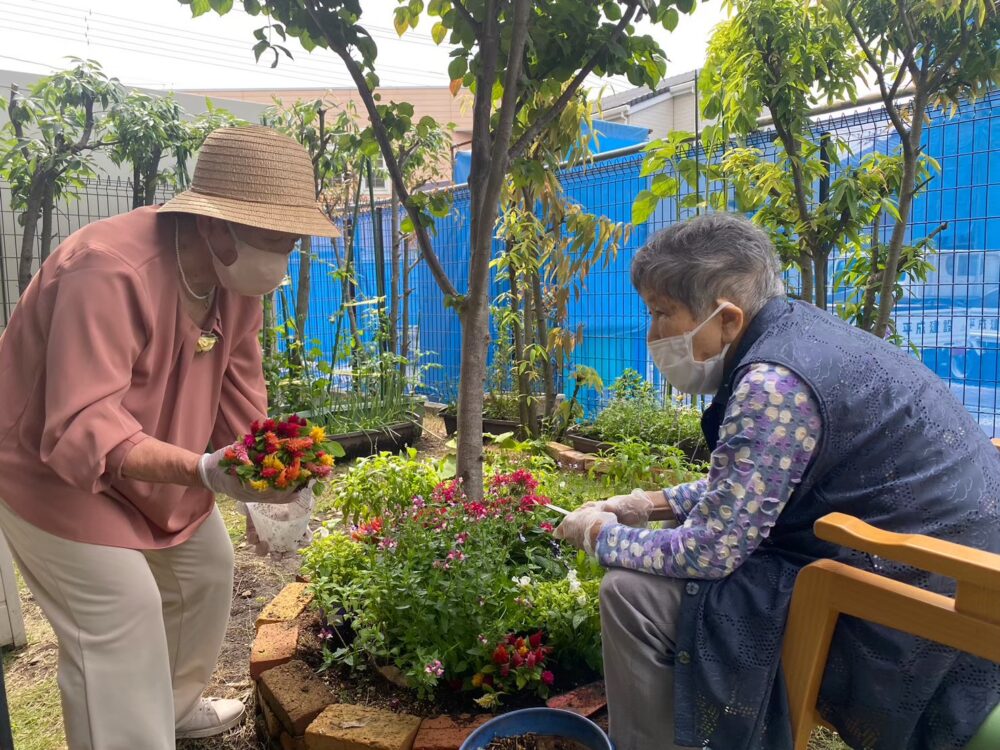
[
  {"x": 287, "y": 605},
  {"x": 275, "y": 644},
  {"x": 447, "y": 732},
  {"x": 344, "y": 726},
  {"x": 586, "y": 700},
  {"x": 296, "y": 694}
]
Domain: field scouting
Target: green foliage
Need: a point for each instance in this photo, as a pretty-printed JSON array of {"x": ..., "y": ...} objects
[
  {"x": 54, "y": 129},
  {"x": 567, "y": 610},
  {"x": 384, "y": 484},
  {"x": 331, "y": 562},
  {"x": 634, "y": 463},
  {"x": 944, "y": 52},
  {"x": 433, "y": 585},
  {"x": 636, "y": 413}
]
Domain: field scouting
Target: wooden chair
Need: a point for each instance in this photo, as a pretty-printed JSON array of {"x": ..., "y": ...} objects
[{"x": 826, "y": 589}]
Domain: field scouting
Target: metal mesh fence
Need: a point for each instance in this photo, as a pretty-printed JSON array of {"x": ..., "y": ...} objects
[
  {"x": 99, "y": 198},
  {"x": 951, "y": 320}
]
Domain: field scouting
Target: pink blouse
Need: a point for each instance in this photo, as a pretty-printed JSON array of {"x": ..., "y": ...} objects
[{"x": 98, "y": 356}]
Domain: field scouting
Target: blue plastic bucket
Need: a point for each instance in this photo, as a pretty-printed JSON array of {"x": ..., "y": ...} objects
[{"x": 545, "y": 721}]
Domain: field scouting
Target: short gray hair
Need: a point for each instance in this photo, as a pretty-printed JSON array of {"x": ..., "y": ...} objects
[{"x": 710, "y": 257}]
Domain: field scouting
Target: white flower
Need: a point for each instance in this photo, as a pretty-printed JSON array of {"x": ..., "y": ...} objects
[
  {"x": 581, "y": 600},
  {"x": 524, "y": 581},
  {"x": 574, "y": 581}
]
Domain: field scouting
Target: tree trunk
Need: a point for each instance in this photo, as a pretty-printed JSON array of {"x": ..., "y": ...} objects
[
  {"x": 30, "y": 221},
  {"x": 911, "y": 153},
  {"x": 404, "y": 348},
  {"x": 302, "y": 293},
  {"x": 805, "y": 270},
  {"x": 151, "y": 178},
  {"x": 820, "y": 286},
  {"x": 394, "y": 274},
  {"x": 525, "y": 402},
  {"x": 48, "y": 206},
  {"x": 542, "y": 336},
  {"x": 874, "y": 279},
  {"x": 138, "y": 189}
]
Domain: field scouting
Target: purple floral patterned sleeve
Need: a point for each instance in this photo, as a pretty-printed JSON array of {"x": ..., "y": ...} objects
[
  {"x": 683, "y": 497},
  {"x": 769, "y": 434}
]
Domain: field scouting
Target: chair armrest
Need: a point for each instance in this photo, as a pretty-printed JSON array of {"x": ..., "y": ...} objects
[{"x": 963, "y": 564}]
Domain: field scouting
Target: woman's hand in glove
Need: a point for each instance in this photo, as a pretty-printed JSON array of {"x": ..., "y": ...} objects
[
  {"x": 215, "y": 478},
  {"x": 631, "y": 510},
  {"x": 581, "y": 527}
]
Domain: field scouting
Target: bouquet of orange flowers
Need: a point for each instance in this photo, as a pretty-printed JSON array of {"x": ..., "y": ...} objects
[{"x": 282, "y": 454}]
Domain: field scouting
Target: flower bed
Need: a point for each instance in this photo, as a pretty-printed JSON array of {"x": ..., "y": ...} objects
[{"x": 460, "y": 598}]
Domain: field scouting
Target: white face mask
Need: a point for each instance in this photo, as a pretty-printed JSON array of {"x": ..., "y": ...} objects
[
  {"x": 674, "y": 357},
  {"x": 255, "y": 272}
]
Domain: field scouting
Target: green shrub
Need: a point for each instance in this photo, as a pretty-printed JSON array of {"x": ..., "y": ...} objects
[
  {"x": 383, "y": 484},
  {"x": 635, "y": 412},
  {"x": 331, "y": 563}
]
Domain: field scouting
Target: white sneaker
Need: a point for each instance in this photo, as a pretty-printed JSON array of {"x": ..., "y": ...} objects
[{"x": 210, "y": 717}]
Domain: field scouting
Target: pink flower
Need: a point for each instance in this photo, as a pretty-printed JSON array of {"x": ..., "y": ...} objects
[
  {"x": 546, "y": 527},
  {"x": 435, "y": 668},
  {"x": 548, "y": 678},
  {"x": 462, "y": 537}
]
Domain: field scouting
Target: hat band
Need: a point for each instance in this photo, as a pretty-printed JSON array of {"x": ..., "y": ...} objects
[{"x": 311, "y": 204}]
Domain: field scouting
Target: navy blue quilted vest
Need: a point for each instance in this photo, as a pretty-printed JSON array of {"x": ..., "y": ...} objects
[{"x": 898, "y": 451}]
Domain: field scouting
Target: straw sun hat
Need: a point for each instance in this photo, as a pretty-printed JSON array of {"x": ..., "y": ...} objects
[{"x": 255, "y": 176}]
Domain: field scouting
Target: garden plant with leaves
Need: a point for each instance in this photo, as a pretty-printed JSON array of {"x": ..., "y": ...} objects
[{"x": 47, "y": 148}]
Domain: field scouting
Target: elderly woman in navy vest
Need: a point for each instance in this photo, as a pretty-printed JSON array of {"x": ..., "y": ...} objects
[{"x": 809, "y": 416}]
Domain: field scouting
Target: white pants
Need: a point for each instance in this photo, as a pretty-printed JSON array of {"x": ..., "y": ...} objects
[{"x": 139, "y": 631}]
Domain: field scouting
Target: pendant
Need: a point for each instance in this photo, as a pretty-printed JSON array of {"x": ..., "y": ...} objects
[{"x": 205, "y": 343}]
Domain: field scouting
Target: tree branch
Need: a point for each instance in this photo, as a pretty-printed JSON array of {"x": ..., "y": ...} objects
[
  {"x": 12, "y": 108},
  {"x": 88, "y": 125},
  {"x": 548, "y": 116},
  {"x": 466, "y": 15},
  {"x": 875, "y": 65},
  {"x": 382, "y": 137},
  {"x": 508, "y": 105}
]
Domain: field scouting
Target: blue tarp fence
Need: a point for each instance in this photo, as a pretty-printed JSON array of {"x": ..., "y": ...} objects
[{"x": 951, "y": 321}]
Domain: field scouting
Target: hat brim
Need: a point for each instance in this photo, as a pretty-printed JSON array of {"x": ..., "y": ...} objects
[{"x": 304, "y": 220}]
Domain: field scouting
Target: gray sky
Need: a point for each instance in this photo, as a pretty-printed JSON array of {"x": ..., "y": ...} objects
[{"x": 156, "y": 43}]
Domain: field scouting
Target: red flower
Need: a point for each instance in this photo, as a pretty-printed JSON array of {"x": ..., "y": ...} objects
[
  {"x": 536, "y": 639},
  {"x": 548, "y": 678},
  {"x": 505, "y": 670},
  {"x": 270, "y": 473},
  {"x": 268, "y": 425},
  {"x": 254, "y": 426},
  {"x": 500, "y": 656},
  {"x": 518, "y": 660},
  {"x": 547, "y": 527},
  {"x": 248, "y": 441}
]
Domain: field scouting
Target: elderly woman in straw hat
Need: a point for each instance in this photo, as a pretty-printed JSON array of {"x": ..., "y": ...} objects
[{"x": 132, "y": 350}]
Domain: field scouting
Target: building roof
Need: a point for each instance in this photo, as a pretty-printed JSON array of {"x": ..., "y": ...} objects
[{"x": 643, "y": 93}]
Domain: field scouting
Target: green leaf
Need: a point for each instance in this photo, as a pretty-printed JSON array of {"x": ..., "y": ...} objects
[
  {"x": 221, "y": 6},
  {"x": 401, "y": 20},
  {"x": 259, "y": 48},
  {"x": 578, "y": 619},
  {"x": 200, "y": 7},
  {"x": 457, "y": 68},
  {"x": 669, "y": 19},
  {"x": 438, "y": 32},
  {"x": 643, "y": 207},
  {"x": 336, "y": 449}
]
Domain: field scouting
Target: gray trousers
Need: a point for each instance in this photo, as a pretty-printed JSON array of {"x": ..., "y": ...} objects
[{"x": 638, "y": 626}]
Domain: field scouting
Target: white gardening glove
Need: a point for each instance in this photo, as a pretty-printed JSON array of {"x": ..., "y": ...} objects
[
  {"x": 215, "y": 478},
  {"x": 631, "y": 510},
  {"x": 578, "y": 528}
]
